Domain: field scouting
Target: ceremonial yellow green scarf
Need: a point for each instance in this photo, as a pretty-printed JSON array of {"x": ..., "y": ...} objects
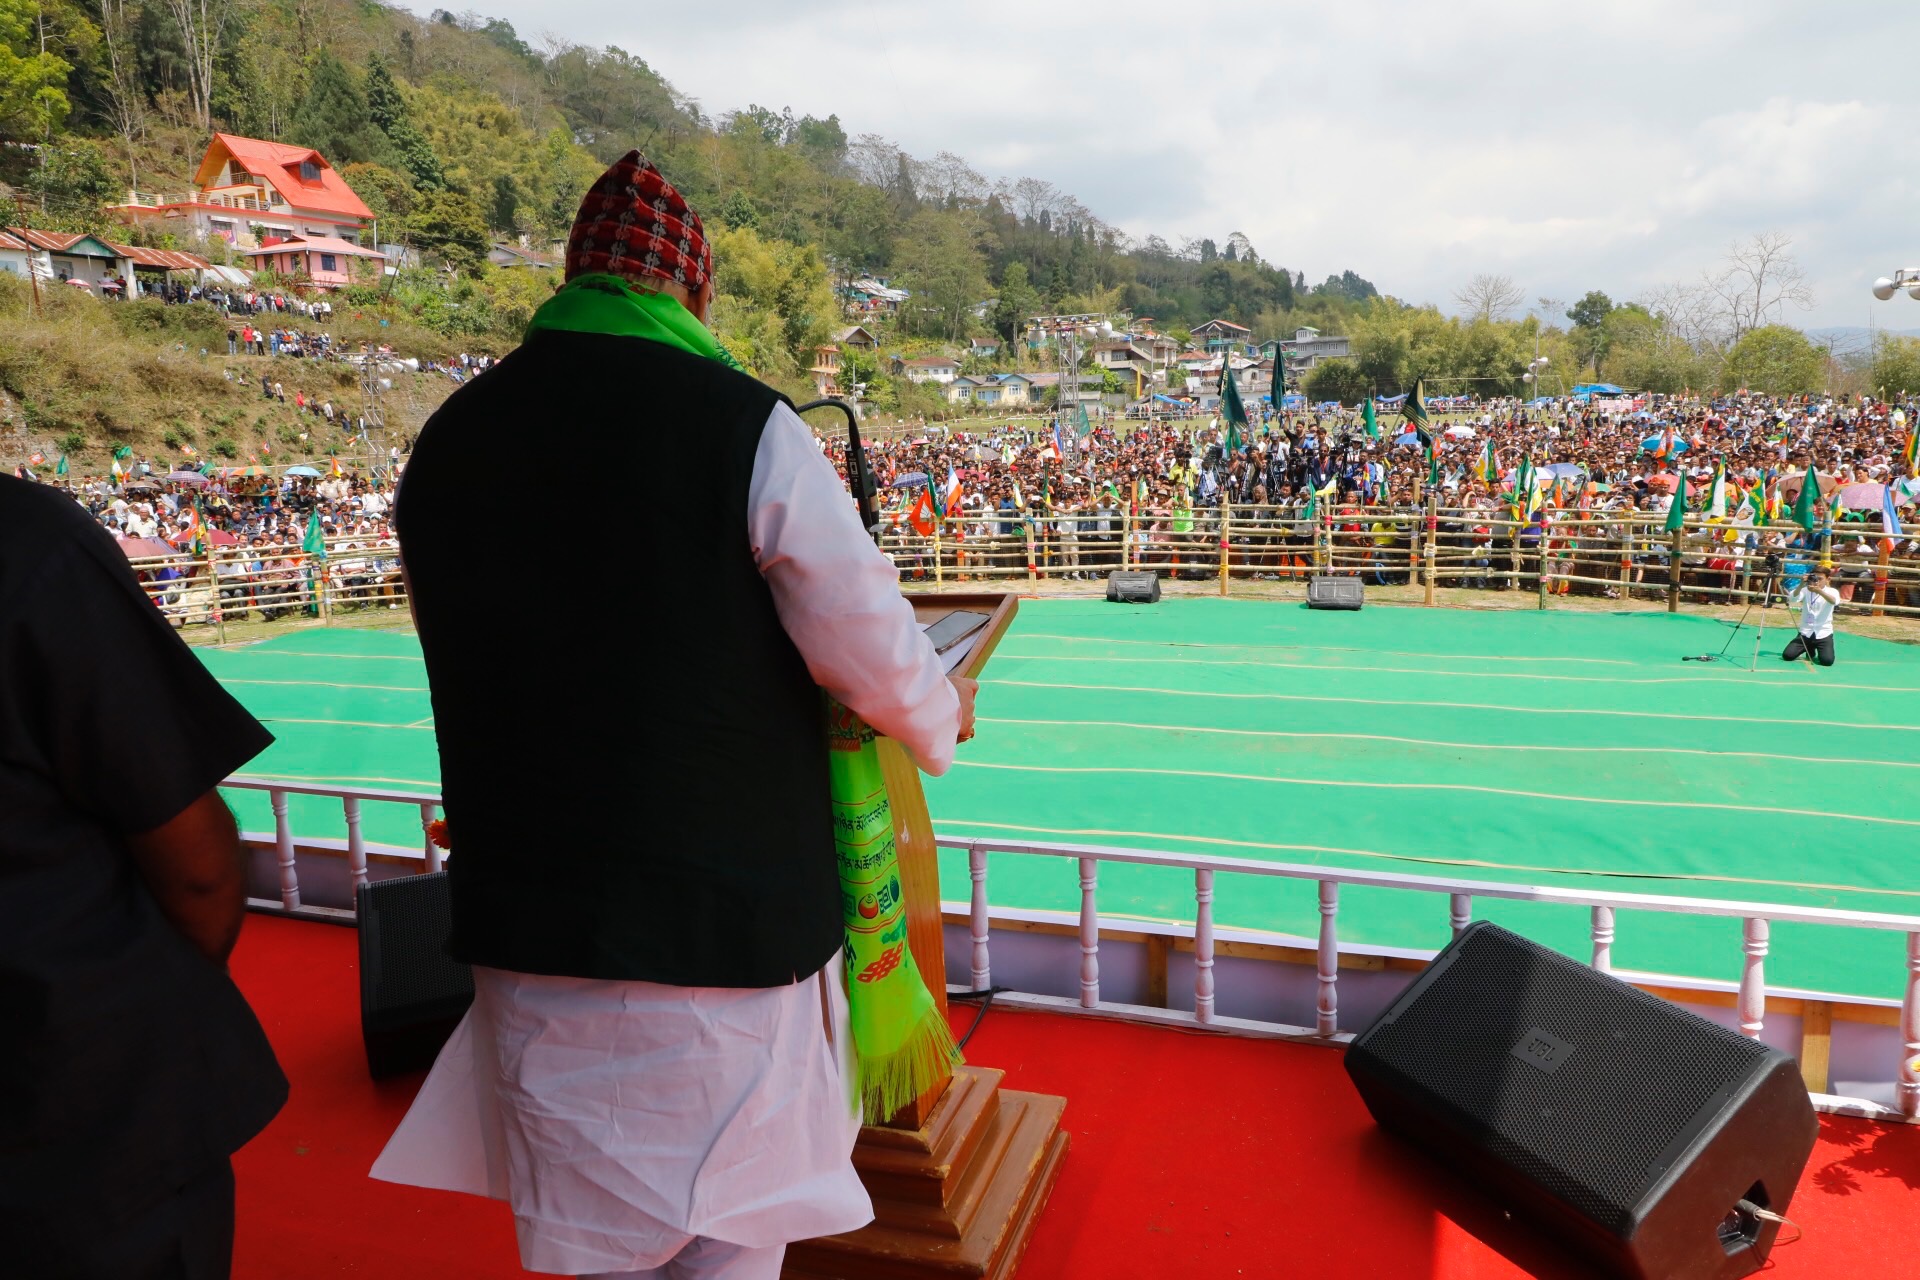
[{"x": 902, "y": 1044}]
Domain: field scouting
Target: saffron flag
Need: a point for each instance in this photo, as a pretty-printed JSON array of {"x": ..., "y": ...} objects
[
  {"x": 1059, "y": 454},
  {"x": 1368, "y": 420},
  {"x": 951, "y": 501},
  {"x": 36, "y": 459},
  {"x": 1803, "y": 513},
  {"x": 922, "y": 516}
]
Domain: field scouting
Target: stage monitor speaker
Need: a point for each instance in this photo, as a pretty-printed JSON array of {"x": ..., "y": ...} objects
[
  {"x": 1133, "y": 588},
  {"x": 1641, "y": 1134},
  {"x": 1324, "y": 592},
  {"x": 412, "y": 995}
]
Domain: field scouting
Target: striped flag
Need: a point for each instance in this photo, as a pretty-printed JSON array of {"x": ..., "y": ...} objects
[
  {"x": 1489, "y": 465},
  {"x": 1911, "y": 454},
  {"x": 1717, "y": 495},
  {"x": 951, "y": 500},
  {"x": 1059, "y": 454},
  {"x": 1889, "y": 518}
]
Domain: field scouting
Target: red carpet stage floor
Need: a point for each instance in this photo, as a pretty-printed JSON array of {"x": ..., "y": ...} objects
[{"x": 1194, "y": 1156}]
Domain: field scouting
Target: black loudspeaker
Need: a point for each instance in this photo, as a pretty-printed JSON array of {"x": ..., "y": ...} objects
[
  {"x": 412, "y": 995},
  {"x": 1334, "y": 593},
  {"x": 1133, "y": 588},
  {"x": 1627, "y": 1126}
]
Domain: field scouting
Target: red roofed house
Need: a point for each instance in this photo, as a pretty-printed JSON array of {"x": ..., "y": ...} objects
[{"x": 252, "y": 193}]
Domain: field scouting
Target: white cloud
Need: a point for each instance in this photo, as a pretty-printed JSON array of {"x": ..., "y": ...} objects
[{"x": 1612, "y": 145}]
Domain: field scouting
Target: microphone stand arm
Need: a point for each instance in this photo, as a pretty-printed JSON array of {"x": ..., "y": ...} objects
[{"x": 859, "y": 474}]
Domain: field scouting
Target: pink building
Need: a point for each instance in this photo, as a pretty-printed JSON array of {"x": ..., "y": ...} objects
[{"x": 325, "y": 260}]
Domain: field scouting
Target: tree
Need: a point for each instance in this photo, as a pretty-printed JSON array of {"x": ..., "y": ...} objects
[
  {"x": 1775, "y": 360},
  {"x": 1019, "y": 301},
  {"x": 1489, "y": 297},
  {"x": 1894, "y": 365},
  {"x": 126, "y": 96},
  {"x": 333, "y": 119},
  {"x": 940, "y": 261},
  {"x": 33, "y": 77},
  {"x": 202, "y": 25},
  {"x": 1759, "y": 280},
  {"x": 388, "y": 111},
  {"x": 1589, "y": 316},
  {"x": 1339, "y": 380},
  {"x": 451, "y": 225}
]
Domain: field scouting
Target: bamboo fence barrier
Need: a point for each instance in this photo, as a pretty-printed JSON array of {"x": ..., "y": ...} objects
[{"x": 1627, "y": 556}]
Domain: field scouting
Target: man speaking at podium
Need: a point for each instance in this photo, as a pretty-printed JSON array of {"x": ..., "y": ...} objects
[{"x": 635, "y": 772}]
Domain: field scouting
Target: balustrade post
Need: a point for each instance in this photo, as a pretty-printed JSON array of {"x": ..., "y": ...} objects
[
  {"x": 1226, "y": 521},
  {"x": 1327, "y": 1008},
  {"x": 1459, "y": 912},
  {"x": 356, "y": 842},
  {"x": 1753, "y": 979},
  {"x": 1203, "y": 945},
  {"x": 283, "y": 852},
  {"x": 1907, "y": 1091},
  {"x": 977, "y": 871},
  {"x": 1603, "y": 939},
  {"x": 1089, "y": 934},
  {"x": 433, "y": 850}
]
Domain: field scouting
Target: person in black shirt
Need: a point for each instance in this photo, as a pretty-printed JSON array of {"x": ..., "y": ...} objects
[{"x": 132, "y": 1068}]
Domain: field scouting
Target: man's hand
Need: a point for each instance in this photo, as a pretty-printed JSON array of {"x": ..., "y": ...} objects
[{"x": 967, "y": 690}]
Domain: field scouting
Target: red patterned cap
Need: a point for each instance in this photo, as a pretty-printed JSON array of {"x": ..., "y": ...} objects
[{"x": 633, "y": 223}]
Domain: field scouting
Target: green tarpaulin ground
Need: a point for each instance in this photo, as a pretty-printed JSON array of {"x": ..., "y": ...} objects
[{"x": 1568, "y": 749}]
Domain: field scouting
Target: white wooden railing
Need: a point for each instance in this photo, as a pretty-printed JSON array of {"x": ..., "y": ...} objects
[{"x": 1757, "y": 918}]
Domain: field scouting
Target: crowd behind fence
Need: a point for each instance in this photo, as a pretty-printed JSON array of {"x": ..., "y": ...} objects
[{"x": 1628, "y": 557}]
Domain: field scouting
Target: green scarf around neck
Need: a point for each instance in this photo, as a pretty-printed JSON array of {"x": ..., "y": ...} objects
[
  {"x": 601, "y": 303},
  {"x": 902, "y": 1043}
]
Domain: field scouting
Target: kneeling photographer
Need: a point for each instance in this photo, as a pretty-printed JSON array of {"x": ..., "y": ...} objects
[{"x": 1816, "y": 598}]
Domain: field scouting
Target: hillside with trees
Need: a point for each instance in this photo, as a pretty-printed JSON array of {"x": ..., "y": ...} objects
[{"x": 459, "y": 134}]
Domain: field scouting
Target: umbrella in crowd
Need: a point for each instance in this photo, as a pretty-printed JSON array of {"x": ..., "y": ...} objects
[
  {"x": 1867, "y": 497},
  {"x": 191, "y": 478},
  {"x": 1407, "y": 437},
  {"x": 1652, "y": 445},
  {"x": 243, "y": 473},
  {"x": 145, "y": 548},
  {"x": 305, "y": 472},
  {"x": 1664, "y": 482},
  {"x": 1561, "y": 471},
  {"x": 908, "y": 480},
  {"x": 139, "y": 486},
  {"x": 1460, "y": 431},
  {"x": 1790, "y": 487}
]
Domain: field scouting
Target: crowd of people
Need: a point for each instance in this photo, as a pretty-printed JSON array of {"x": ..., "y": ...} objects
[
  {"x": 1168, "y": 483},
  {"x": 257, "y": 534}
]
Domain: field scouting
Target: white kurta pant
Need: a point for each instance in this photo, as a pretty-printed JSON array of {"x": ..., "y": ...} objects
[{"x": 622, "y": 1120}]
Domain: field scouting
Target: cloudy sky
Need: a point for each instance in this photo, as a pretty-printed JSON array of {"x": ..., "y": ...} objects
[{"x": 1621, "y": 146}]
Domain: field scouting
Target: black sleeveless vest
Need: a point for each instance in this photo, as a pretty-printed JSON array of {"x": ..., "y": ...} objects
[{"x": 631, "y": 749}]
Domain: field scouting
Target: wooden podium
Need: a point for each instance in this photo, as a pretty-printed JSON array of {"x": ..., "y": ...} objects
[{"x": 959, "y": 1177}]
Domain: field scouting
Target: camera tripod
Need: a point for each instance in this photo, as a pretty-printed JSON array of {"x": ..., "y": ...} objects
[{"x": 1766, "y": 602}]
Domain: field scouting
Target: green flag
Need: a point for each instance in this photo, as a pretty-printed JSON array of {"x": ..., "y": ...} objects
[
  {"x": 1312, "y": 510},
  {"x": 1433, "y": 467},
  {"x": 1803, "y": 505},
  {"x": 61, "y": 468},
  {"x": 123, "y": 453},
  {"x": 1230, "y": 407},
  {"x": 1677, "y": 509},
  {"x": 1367, "y": 419},
  {"x": 315, "y": 543},
  {"x": 1416, "y": 412},
  {"x": 1279, "y": 390}
]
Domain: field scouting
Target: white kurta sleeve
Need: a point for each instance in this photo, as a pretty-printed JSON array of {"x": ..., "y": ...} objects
[{"x": 839, "y": 598}]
